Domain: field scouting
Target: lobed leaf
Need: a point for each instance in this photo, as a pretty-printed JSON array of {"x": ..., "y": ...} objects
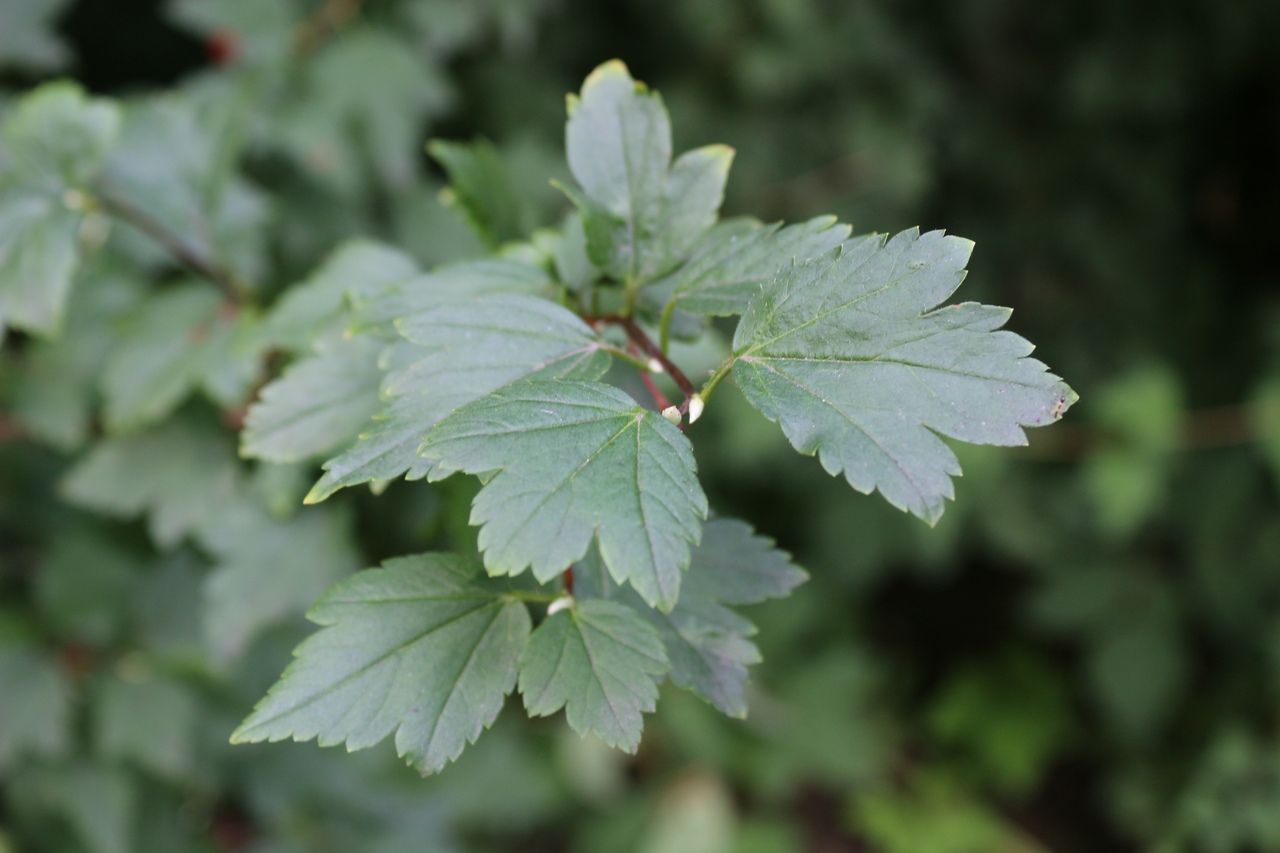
[
  {"x": 425, "y": 647},
  {"x": 568, "y": 462},
  {"x": 708, "y": 644},
  {"x": 849, "y": 354},
  {"x": 600, "y": 662},
  {"x": 734, "y": 259},
  {"x": 466, "y": 350},
  {"x": 640, "y": 212}
]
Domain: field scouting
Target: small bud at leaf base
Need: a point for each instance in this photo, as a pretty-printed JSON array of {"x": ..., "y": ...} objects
[
  {"x": 562, "y": 603},
  {"x": 655, "y": 366},
  {"x": 672, "y": 414},
  {"x": 695, "y": 408}
]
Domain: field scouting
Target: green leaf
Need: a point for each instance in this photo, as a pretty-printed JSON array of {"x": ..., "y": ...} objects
[
  {"x": 38, "y": 255},
  {"x": 28, "y": 38},
  {"x": 640, "y": 218},
  {"x": 170, "y": 346},
  {"x": 99, "y": 802},
  {"x": 151, "y": 722},
  {"x": 733, "y": 260},
  {"x": 174, "y": 161},
  {"x": 317, "y": 405},
  {"x": 845, "y": 353},
  {"x": 58, "y": 141},
  {"x": 707, "y": 643},
  {"x": 269, "y": 570},
  {"x": 85, "y": 584},
  {"x": 35, "y": 717},
  {"x": 480, "y": 190},
  {"x": 425, "y": 647},
  {"x": 1141, "y": 415},
  {"x": 308, "y": 311},
  {"x": 468, "y": 350},
  {"x": 55, "y": 395},
  {"x": 576, "y": 461},
  {"x": 451, "y": 283},
  {"x": 58, "y": 138},
  {"x": 119, "y": 476},
  {"x": 601, "y": 663},
  {"x": 366, "y": 94}
]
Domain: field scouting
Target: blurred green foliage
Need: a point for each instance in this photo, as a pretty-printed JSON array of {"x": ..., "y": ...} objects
[{"x": 1084, "y": 655}]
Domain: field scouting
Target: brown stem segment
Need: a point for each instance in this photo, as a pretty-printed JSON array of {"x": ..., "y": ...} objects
[
  {"x": 641, "y": 340},
  {"x": 175, "y": 244}
]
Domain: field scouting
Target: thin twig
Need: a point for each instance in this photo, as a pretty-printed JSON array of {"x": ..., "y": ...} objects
[
  {"x": 175, "y": 244},
  {"x": 641, "y": 340}
]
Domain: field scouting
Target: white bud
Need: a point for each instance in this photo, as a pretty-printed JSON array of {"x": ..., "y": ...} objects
[
  {"x": 562, "y": 603},
  {"x": 672, "y": 414},
  {"x": 695, "y": 408},
  {"x": 655, "y": 366}
]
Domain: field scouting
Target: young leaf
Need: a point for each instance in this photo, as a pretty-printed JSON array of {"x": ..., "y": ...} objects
[
  {"x": 735, "y": 258},
  {"x": 318, "y": 404},
  {"x": 469, "y": 349},
  {"x": 425, "y": 647},
  {"x": 576, "y": 461},
  {"x": 640, "y": 218},
  {"x": 845, "y": 353},
  {"x": 601, "y": 663},
  {"x": 707, "y": 643}
]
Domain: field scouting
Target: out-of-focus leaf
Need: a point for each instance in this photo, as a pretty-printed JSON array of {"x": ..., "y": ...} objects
[
  {"x": 425, "y": 647},
  {"x": 318, "y": 405},
  {"x": 1006, "y": 719},
  {"x": 56, "y": 391},
  {"x": 35, "y": 716},
  {"x": 1141, "y": 415},
  {"x": 151, "y": 722},
  {"x": 480, "y": 190},
  {"x": 268, "y": 570},
  {"x": 28, "y": 38},
  {"x": 58, "y": 138},
  {"x": 695, "y": 814},
  {"x": 368, "y": 95},
  {"x": 313, "y": 308},
  {"x": 99, "y": 802},
  {"x": 180, "y": 339},
  {"x": 850, "y": 354},
  {"x": 84, "y": 585},
  {"x": 567, "y": 463},
  {"x": 600, "y": 662},
  {"x": 120, "y": 476},
  {"x": 169, "y": 164}
]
